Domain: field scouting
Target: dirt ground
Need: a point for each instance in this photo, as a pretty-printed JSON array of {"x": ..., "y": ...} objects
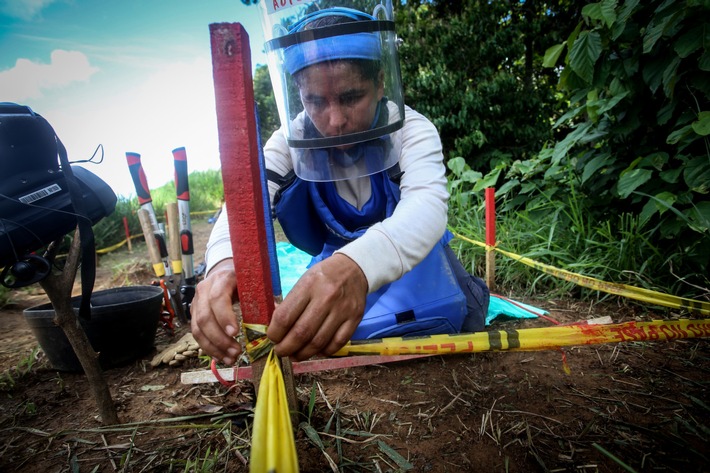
[{"x": 623, "y": 407}]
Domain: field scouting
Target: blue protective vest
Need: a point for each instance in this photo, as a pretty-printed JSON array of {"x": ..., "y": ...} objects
[{"x": 425, "y": 301}]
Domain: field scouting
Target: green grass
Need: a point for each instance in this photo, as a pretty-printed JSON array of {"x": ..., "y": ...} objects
[
  {"x": 24, "y": 366},
  {"x": 562, "y": 234}
]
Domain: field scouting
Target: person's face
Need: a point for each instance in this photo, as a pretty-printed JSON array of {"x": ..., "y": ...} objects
[{"x": 338, "y": 99}]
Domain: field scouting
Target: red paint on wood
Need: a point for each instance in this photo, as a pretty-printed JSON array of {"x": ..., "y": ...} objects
[
  {"x": 490, "y": 216},
  {"x": 315, "y": 365},
  {"x": 239, "y": 156}
]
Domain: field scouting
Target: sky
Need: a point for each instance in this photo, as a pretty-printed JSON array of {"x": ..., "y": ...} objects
[{"x": 131, "y": 75}]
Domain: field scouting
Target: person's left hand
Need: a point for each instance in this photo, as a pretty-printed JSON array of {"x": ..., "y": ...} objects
[{"x": 322, "y": 311}]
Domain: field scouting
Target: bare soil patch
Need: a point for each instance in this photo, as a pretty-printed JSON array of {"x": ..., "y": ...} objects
[{"x": 623, "y": 407}]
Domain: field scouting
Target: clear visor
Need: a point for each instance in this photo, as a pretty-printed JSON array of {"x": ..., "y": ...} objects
[{"x": 337, "y": 85}]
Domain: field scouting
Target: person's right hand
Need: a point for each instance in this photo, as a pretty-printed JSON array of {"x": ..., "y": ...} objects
[
  {"x": 214, "y": 323},
  {"x": 322, "y": 310}
]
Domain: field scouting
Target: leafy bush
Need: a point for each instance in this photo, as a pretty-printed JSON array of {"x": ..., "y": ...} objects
[
  {"x": 472, "y": 69},
  {"x": 633, "y": 159}
]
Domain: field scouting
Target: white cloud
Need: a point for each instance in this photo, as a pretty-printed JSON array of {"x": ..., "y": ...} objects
[
  {"x": 23, "y": 9},
  {"x": 171, "y": 108},
  {"x": 27, "y": 80}
]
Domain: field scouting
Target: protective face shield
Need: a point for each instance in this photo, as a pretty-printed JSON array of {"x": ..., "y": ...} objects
[{"x": 336, "y": 78}]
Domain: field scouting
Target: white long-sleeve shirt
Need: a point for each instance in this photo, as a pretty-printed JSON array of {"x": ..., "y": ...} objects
[{"x": 394, "y": 246}]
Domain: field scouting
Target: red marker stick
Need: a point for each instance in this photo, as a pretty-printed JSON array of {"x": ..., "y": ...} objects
[
  {"x": 241, "y": 176},
  {"x": 490, "y": 237}
]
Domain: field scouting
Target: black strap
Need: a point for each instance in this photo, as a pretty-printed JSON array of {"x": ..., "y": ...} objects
[
  {"x": 339, "y": 29},
  {"x": 395, "y": 173},
  {"x": 277, "y": 178},
  {"x": 86, "y": 234}
]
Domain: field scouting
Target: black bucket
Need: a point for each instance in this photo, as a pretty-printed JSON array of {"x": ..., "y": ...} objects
[{"x": 122, "y": 327}]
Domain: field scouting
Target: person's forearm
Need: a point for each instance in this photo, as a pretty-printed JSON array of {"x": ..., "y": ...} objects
[
  {"x": 219, "y": 245},
  {"x": 226, "y": 264}
]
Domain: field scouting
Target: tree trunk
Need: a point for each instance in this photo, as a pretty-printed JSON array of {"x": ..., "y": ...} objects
[{"x": 59, "y": 288}]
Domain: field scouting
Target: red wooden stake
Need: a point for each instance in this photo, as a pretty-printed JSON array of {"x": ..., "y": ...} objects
[
  {"x": 128, "y": 234},
  {"x": 239, "y": 156},
  {"x": 490, "y": 216},
  {"x": 490, "y": 237}
]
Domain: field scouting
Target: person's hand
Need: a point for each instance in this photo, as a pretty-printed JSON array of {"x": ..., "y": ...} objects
[
  {"x": 322, "y": 311},
  {"x": 214, "y": 323}
]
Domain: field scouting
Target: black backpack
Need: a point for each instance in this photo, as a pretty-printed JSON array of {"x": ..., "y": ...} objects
[{"x": 42, "y": 197}]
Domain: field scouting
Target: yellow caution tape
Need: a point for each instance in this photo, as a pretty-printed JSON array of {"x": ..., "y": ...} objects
[
  {"x": 121, "y": 243},
  {"x": 531, "y": 339},
  {"x": 117, "y": 245},
  {"x": 631, "y": 292},
  {"x": 273, "y": 448},
  {"x": 111, "y": 248}
]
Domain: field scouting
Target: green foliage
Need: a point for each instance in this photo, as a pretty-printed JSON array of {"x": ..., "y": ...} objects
[
  {"x": 265, "y": 103},
  {"x": 633, "y": 152},
  {"x": 462, "y": 183},
  {"x": 206, "y": 191},
  {"x": 24, "y": 367},
  {"x": 590, "y": 119},
  {"x": 565, "y": 235},
  {"x": 475, "y": 69}
]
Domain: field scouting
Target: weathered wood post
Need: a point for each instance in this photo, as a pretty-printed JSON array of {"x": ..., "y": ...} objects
[
  {"x": 241, "y": 175},
  {"x": 490, "y": 238},
  {"x": 58, "y": 288}
]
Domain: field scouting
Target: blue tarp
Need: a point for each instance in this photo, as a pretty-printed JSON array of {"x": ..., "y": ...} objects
[
  {"x": 507, "y": 307},
  {"x": 294, "y": 262}
]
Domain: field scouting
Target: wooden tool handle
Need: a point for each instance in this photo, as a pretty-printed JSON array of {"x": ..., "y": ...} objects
[
  {"x": 175, "y": 249},
  {"x": 150, "y": 242}
]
